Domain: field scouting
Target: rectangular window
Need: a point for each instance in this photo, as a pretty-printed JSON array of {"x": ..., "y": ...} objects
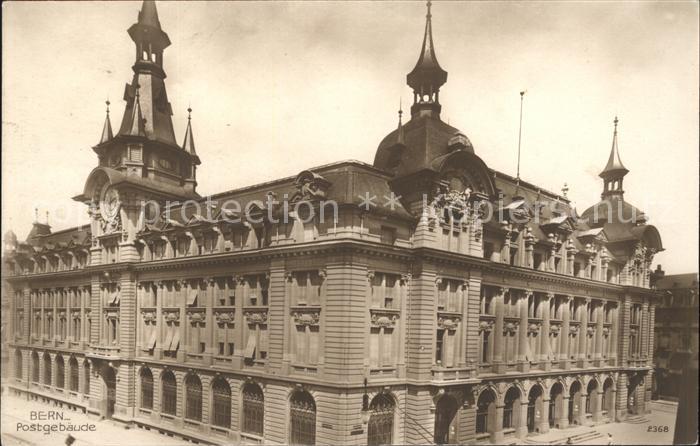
[
  {"x": 438, "y": 345},
  {"x": 388, "y": 235},
  {"x": 484, "y": 346},
  {"x": 577, "y": 269}
]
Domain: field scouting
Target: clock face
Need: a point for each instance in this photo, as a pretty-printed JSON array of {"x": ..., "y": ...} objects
[{"x": 109, "y": 205}]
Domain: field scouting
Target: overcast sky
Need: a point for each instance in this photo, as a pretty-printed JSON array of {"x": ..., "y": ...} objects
[{"x": 277, "y": 88}]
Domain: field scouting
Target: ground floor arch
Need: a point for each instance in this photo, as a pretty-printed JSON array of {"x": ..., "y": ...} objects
[{"x": 446, "y": 420}]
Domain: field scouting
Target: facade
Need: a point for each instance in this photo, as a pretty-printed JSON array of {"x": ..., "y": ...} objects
[
  {"x": 474, "y": 307},
  {"x": 676, "y": 332}
]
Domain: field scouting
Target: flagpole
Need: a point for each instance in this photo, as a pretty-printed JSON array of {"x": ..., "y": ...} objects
[{"x": 520, "y": 134}]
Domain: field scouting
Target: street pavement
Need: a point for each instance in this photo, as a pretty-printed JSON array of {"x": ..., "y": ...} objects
[{"x": 17, "y": 410}]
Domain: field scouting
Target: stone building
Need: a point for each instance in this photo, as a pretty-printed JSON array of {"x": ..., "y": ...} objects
[
  {"x": 470, "y": 306},
  {"x": 676, "y": 332}
]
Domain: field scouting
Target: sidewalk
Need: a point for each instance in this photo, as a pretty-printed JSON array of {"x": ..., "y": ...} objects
[
  {"x": 16, "y": 411},
  {"x": 653, "y": 432}
]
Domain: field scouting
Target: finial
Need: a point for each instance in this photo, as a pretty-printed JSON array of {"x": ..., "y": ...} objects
[
  {"x": 36, "y": 215},
  {"x": 400, "y": 110},
  {"x": 565, "y": 190},
  {"x": 107, "y": 102},
  {"x": 189, "y": 113},
  {"x": 615, "y": 122},
  {"x": 429, "y": 4},
  {"x": 47, "y": 217}
]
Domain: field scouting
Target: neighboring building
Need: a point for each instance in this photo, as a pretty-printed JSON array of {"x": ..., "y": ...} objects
[
  {"x": 408, "y": 322},
  {"x": 676, "y": 332}
]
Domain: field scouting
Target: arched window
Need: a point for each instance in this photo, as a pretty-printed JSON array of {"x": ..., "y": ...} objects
[
  {"x": 47, "y": 369},
  {"x": 508, "y": 414},
  {"x": 18, "y": 364},
  {"x": 222, "y": 403},
  {"x": 60, "y": 372},
  {"x": 193, "y": 400},
  {"x": 380, "y": 428},
  {"x": 253, "y": 410},
  {"x": 86, "y": 374},
  {"x": 146, "y": 388},
  {"x": 485, "y": 406},
  {"x": 302, "y": 414},
  {"x": 591, "y": 399},
  {"x": 35, "y": 367},
  {"x": 169, "y": 393},
  {"x": 74, "y": 375}
]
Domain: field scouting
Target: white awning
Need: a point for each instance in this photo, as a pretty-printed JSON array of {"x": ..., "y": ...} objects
[
  {"x": 192, "y": 297},
  {"x": 152, "y": 341},
  {"x": 168, "y": 340},
  {"x": 250, "y": 346},
  {"x": 114, "y": 298},
  {"x": 176, "y": 341}
]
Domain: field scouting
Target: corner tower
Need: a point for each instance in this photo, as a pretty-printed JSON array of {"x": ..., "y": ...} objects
[{"x": 142, "y": 162}]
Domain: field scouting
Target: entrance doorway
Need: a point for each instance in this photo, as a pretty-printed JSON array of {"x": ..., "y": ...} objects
[
  {"x": 446, "y": 415},
  {"x": 110, "y": 380}
]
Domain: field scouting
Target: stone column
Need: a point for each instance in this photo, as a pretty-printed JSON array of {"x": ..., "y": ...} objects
[
  {"x": 563, "y": 419},
  {"x": 498, "y": 359},
  {"x": 612, "y": 414},
  {"x": 582, "y": 408},
  {"x": 582, "y": 340},
  {"x": 54, "y": 312},
  {"x": 564, "y": 333},
  {"x": 497, "y": 432},
  {"x": 650, "y": 346},
  {"x": 160, "y": 323},
  {"x": 623, "y": 331},
  {"x": 522, "y": 334},
  {"x": 521, "y": 428},
  {"x": 598, "y": 412},
  {"x": 612, "y": 354},
  {"x": 545, "y": 346},
  {"x": 644, "y": 329},
  {"x": 543, "y": 424},
  {"x": 462, "y": 338},
  {"x": 182, "y": 349},
  {"x": 599, "y": 319},
  {"x": 210, "y": 349}
]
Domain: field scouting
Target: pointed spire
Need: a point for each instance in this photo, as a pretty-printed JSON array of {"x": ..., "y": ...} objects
[
  {"x": 400, "y": 135},
  {"x": 137, "y": 127},
  {"x": 188, "y": 143},
  {"x": 149, "y": 14},
  {"x": 614, "y": 168},
  {"x": 107, "y": 129},
  {"x": 427, "y": 76}
]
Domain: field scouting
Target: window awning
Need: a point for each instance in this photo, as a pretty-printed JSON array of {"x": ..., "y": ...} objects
[
  {"x": 168, "y": 340},
  {"x": 176, "y": 341},
  {"x": 250, "y": 346},
  {"x": 114, "y": 298},
  {"x": 152, "y": 341},
  {"x": 192, "y": 297}
]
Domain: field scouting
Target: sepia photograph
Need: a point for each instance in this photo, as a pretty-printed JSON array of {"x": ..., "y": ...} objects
[{"x": 350, "y": 222}]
